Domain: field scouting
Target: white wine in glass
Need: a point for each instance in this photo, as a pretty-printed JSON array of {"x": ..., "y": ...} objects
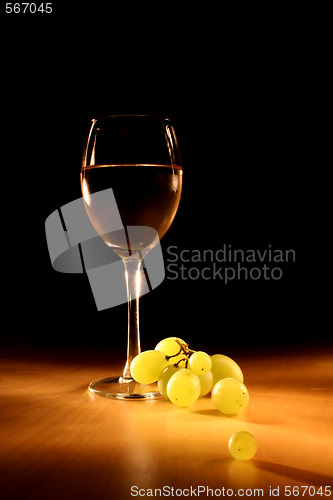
[{"x": 139, "y": 158}]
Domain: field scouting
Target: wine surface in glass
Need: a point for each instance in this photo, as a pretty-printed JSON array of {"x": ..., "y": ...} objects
[{"x": 147, "y": 195}]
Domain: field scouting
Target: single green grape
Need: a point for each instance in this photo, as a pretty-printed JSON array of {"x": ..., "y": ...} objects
[
  {"x": 242, "y": 445},
  {"x": 200, "y": 363},
  {"x": 164, "y": 378},
  {"x": 225, "y": 367},
  {"x": 206, "y": 383},
  {"x": 230, "y": 396},
  {"x": 183, "y": 388},
  {"x": 170, "y": 347},
  {"x": 147, "y": 366}
]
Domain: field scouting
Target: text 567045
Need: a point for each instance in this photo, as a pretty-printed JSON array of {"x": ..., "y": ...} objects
[{"x": 28, "y": 8}]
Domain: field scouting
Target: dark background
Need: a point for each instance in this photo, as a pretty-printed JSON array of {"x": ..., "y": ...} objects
[{"x": 231, "y": 86}]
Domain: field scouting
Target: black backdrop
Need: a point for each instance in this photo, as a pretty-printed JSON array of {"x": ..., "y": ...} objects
[{"x": 234, "y": 99}]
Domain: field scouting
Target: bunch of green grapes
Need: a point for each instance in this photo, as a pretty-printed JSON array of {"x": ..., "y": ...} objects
[{"x": 184, "y": 375}]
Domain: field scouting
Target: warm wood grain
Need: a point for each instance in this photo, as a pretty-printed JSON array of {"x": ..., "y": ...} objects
[{"x": 58, "y": 441}]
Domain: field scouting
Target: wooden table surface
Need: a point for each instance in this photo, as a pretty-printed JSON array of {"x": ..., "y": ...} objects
[{"x": 58, "y": 441}]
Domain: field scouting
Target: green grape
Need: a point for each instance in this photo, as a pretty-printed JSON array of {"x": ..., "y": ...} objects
[
  {"x": 183, "y": 388},
  {"x": 230, "y": 396},
  {"x": 242, "y": 445},
  {"x": 206, "y": 383},
  {"x": 170, "y": 347},
  {"x": 224, "y": 367},
  {"x": 200, "y": 363},
  {"x": 164, "y": 378},
  {"x": 147, "y": 366}
]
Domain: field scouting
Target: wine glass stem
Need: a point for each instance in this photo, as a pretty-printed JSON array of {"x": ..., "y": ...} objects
[{"x": 132, "y": 273}]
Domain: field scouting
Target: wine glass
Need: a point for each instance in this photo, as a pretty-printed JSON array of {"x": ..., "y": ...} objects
[{"x": 138, "y": 157}]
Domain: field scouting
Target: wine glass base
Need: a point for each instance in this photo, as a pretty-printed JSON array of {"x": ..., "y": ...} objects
[{"x": 120, "y": 388}]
